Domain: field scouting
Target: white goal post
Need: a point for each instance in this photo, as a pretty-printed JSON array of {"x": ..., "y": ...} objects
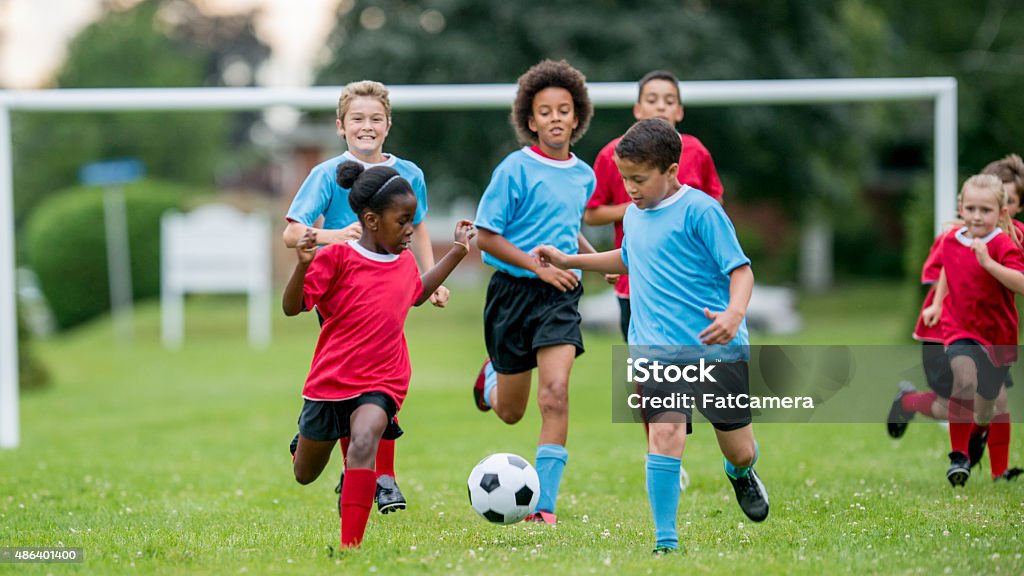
[{"x": 942, "y": 91}]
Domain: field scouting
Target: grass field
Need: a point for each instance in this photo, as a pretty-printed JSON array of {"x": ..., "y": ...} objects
[{"x": 176, "y": 462}]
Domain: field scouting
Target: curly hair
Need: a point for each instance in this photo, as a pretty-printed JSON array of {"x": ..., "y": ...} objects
[{"x": 550, "y": 74}]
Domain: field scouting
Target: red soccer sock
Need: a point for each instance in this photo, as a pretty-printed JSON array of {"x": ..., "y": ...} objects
[
  {"x": 919, "y": 402},
  {"x": 356, "y": 501},
  {"x": 386, "y": 458},
  {"x": 999, "y": 444},
  {"x": 961, "y": 423}
]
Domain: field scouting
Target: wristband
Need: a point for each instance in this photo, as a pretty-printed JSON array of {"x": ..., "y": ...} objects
[{"x": 463, "y": 244}]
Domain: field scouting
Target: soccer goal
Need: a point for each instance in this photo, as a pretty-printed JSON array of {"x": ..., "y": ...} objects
[{"x": 942, "y": 91}]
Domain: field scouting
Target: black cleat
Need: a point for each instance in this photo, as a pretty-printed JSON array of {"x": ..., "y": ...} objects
[
  {"x": 959, "y": 469},
  {"x": 751, "y": 495},
  {"x": 294, "y": 445},
  {"x": 662, "y": 551},
  {"x": 896, "y": 424},
  {"x": 976, "y": 446},
  {"x": 1010, "y": 474},
  {"x": 389, "y": 497}
]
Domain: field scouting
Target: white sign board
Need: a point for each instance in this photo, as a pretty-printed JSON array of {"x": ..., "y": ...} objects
[{"x": 214, "y": 249}]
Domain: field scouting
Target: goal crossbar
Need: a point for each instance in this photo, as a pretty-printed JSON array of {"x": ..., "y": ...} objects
[{"x": 940, "y": 90}]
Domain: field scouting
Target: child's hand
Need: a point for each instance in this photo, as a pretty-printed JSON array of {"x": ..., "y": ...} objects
[
  {"x": 931, "y": 315},
  {"x": 550, "y": 255},
  {"x": 612, "y": 278},
  {"x": 351, "y": 232},
  {"x": 564, "y": 280},
  {"x": 723, "y": 328},
  {"x": 981, "y": 253},
  {"x": 305, "y": 248},
  {"x": 464, "y": 232},
  {"x": 440, "y": 297}
]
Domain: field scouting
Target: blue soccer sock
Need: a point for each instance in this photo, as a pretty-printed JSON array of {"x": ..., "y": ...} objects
[
  {"x": 735, "y": 472},
  {"x": 551, "y": 460},
  {"x": 490, "y": 381},
  {"x": 663, "y": 493}
]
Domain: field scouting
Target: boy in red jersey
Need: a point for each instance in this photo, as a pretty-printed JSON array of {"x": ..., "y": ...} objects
[
  {"x": 982, "y": 268},
  {"x": 360, "y": 371},
  {"x": 658, "y": 97}
]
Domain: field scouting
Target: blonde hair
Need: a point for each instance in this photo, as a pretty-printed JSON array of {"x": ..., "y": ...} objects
[
  {"x": 363, "y": 88},
  {"x": 994, "y": 185}
]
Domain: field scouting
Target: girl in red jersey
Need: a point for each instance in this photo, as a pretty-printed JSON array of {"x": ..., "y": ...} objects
[
  {"x": 360, "y": 371},
  {"x": 982, "y": 268}
]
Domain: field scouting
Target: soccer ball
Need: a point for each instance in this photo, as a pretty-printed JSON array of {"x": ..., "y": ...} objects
[{"x": 503, "y": 488}]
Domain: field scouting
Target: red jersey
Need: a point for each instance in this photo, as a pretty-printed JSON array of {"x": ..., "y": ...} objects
[
  {"x": 978, "y": 307},
  {"x": 364, "y": 298},
  {"x": 696, "y": 169}
]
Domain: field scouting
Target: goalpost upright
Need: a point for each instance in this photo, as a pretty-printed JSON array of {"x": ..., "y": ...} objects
[{"x": 941, "y": 91}]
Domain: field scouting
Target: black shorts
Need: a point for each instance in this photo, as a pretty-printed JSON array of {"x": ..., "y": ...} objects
[
  {"x": 936, "y": 369},
  {"x": 990, "y": 378},
  {"x": 523, "y": 315},
  {"x": 624, "y": 315},
  {"x": 325, "y": 420},
  {"x": 730, "y": 378}
]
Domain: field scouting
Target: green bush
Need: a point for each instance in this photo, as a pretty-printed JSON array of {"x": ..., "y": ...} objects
[{"x": 66, "y": 246}]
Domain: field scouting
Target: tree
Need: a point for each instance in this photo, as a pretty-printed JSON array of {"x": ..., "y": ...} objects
[{"x": 155, "y": 43}]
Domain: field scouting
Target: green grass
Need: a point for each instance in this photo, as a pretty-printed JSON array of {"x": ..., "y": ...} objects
[{"x": 176, "y": 462}]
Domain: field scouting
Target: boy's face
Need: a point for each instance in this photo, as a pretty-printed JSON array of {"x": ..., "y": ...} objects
[
  {"x": 646, "y": 185},
  {"x": 1012, "y": 198},
  {"x": 365, "y": 126},
  {"x": 659, "y": 99},
  {"x": 553, "y": 119},
  {"x": 393, "y": 229}
]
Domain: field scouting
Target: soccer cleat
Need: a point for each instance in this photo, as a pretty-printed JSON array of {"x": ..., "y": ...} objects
[
  {"x": 1010, "y": 474},
  {"x": 976, "y": 446},
  {"x": 896, "y": 424},
  {"x": 294, "y": 445},
  {"x": 337, "y": 489},
  {"x": 389, "y": 497},
  {"x": 959, "y": 469},
  {"x": 684, "y": 479},
  {"x": 662, "y": 551},
  {"x": 478, "y": 388},
  {"x": 751, "y": 495},
  {"x": 542, "y": 517}
]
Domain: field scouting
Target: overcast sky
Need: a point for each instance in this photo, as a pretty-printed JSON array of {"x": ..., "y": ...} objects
[{"x": 34, "y": 35}]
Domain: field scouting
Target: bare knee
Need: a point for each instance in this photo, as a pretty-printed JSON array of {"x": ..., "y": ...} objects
[
  {"x": 553, "y": 398},
  {"x": 741, "y": 456},
  {"x": 510, "y": 414},
  {"x": 304, "y": 477},
  {"x": 362, "y": 449}
]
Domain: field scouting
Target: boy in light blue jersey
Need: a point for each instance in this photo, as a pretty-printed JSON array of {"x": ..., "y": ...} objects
[
  {"x": 536, "y": 195},
  {"x": 690, "y": 283}
]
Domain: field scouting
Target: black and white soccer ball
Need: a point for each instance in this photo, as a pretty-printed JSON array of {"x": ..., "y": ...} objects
[{"x": 503, "y": 488}]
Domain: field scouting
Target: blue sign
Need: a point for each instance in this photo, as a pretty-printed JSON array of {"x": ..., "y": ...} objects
[{"x": 111, "y": 173}]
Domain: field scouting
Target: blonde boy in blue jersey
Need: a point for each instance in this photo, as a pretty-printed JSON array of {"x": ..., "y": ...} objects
[{"x": 690, "y": 283}]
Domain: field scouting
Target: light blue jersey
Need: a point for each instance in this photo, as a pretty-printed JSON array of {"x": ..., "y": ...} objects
[
  {"x": 321, "y": 194},
  {"x": 679, "y": 255},
  {"x": 533, "y": 200}
]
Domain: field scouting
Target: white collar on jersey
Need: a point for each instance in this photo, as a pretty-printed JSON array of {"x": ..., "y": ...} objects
[
  {"x": 961, "y": 235},
  {"x": 354, "y": 244},
  {"x": 567, "y": 163},
  {"x": 671, "y": 199},
  {"x": 390, "y": 161}
]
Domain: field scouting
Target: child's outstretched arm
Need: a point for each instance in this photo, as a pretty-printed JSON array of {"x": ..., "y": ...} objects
[
  {"x": 433, "y": 278},
  {"x": 725, "y": 324},
  {"x": 496, "y": 245},
  {"x": 609, "y": 262},
  {"x": 1012, "y": 279},
  {"x": 305, "y": 251}
]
